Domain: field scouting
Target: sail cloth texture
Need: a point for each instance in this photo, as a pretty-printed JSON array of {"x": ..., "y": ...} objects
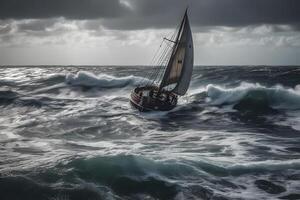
[{"x": 180, "y": 66}]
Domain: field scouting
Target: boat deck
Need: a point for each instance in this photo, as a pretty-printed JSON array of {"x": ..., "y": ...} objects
[{"x": 147, "y": 98}]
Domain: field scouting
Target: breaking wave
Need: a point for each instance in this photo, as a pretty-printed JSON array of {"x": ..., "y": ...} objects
[
  {"x": 68, "y": 135},
  {"x": 248, "y": 94},
  {"x": 87, "y": 79}
]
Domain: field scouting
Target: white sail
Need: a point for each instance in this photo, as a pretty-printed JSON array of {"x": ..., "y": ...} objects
[{"x": 180, "y": 67}]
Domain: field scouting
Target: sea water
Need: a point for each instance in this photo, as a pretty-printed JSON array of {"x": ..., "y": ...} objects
[{"x": 70, "y": 133}]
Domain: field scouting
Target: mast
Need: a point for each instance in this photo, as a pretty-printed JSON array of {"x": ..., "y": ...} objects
[
  {"x": 180, "y": 65},
  {"x": 169, "y": 66}
]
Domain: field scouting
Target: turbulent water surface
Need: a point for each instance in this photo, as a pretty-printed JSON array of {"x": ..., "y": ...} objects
[{"x": 70, "y": 133}]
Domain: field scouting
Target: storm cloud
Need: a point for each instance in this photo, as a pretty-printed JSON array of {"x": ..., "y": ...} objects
[
  {"x": 129, "y": 31},
  {"x": 141, "y": 14},
  {"x": 70, "y": 9}
]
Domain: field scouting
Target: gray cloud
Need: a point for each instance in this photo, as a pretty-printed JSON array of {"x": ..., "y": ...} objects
[
  {"x": 71, "y": 9},
  {"x": 141, "y": 14},
  {"x": 233, "y": 13},
  {"x": 36, "y": 25},
  {"x": 217, "y": 22},
  {"x": 245, "y": 12}
]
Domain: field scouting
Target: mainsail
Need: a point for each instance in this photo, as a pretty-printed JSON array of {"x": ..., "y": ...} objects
[{"x": 180, "y": 66}]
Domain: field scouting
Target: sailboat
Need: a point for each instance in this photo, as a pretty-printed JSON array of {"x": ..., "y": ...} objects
[{"x": 176, "y": 74}]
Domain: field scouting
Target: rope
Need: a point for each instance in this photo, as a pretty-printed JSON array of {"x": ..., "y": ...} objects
[
  {"x": 161, "y": 61},
  {"x": 148, "y": 74},
  {"x": 164, "y": 59}
]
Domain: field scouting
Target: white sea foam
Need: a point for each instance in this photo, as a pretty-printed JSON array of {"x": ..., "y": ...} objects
[
  {"x": 277, "y": 96},
  {"x": 268, "y": 165},
  {"x": 83, "y": 78}
]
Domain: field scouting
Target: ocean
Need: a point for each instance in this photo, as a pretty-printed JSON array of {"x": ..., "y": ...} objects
[{"x": 69, "y": 132}]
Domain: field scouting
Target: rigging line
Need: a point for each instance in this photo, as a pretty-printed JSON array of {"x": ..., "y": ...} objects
[
  {"x": 142, "y": 81},
  {"x": 165, "y": 48},
  {"x": 156, "y": 68},
  {"x": 154, "y": 71},
  {"x": 167, "y": 56},
  {"x": 164, "y": 56},
  {"x": 159, "y": 64},
  {"x": 169, "y": 67},
  {"x": 162, "y": 61},
  {"x": 168, "y": 48},
  {"x": 177, "y": 45},
  {"x": 172, "y": 34},
  {"x": 165, "y": 63},
  {"x": 168, "y": 45},
  {"x": 155, "y": 65}
]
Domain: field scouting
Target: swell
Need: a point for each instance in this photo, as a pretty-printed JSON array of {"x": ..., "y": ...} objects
[
  {"x": 106, "y": 169},
  {"x": 37, "y": 93},
  {"x": 8, "y": 97},
  {"x": 129, "y": 176},
  {"x": 21, "y": 187},
  {"x": 254, "y": 96}
]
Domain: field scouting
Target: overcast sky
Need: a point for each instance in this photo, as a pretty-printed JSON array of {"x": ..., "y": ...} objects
[{"x": 128, "y": 32}]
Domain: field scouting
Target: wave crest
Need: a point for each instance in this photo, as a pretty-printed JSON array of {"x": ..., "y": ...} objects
[
  {"x": 255, "y": 94},
  {"x": 87, "y": 79}
]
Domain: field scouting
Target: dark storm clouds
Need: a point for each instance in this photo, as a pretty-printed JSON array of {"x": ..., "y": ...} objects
[
  {"x": 71, "y": 9},
  {"x": 140, "y": 14}
]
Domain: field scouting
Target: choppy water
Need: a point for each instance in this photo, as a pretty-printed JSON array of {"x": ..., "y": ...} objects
[{"x": 70, "y": 133}]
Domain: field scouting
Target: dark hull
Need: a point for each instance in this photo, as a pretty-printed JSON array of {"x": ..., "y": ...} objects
[
  {"x": 151, "y": 103},
  {"x": 151, "y": 108}
]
